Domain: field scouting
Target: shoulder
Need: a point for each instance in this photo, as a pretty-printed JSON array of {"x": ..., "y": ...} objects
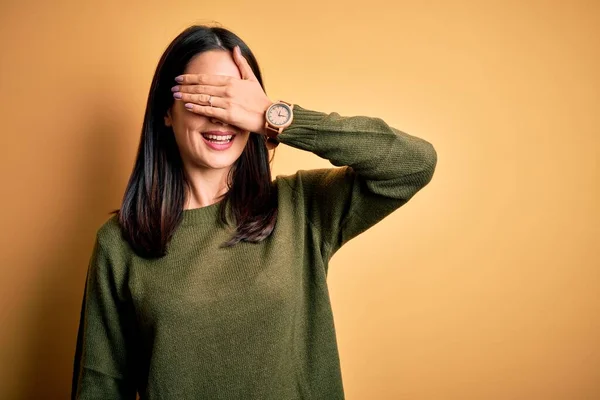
[
  {"x": 109, "y": 236},
  {"x": 110, "y": 260},
  {"x": 314, "y": 179}
]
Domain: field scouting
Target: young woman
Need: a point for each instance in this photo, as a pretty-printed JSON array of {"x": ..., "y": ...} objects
[{"x": 210, "y": 281}]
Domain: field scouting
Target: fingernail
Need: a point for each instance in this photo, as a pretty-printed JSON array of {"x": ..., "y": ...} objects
[
  {"x": 179, "y": 79},
  {"x": 175, "y": 89},
  {"x": 188, "y": 105},
  {"x": 239, "y": 51},
  {"x": 177, "y": 95}
]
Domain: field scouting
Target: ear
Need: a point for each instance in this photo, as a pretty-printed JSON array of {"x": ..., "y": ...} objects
[{"x": 168, "y": 118}]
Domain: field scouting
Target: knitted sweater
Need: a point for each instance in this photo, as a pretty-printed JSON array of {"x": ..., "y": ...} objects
[{"x": 253, "y": 321}]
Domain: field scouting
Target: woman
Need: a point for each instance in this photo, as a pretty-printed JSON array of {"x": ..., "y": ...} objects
[{"x": 210, "y": 281}]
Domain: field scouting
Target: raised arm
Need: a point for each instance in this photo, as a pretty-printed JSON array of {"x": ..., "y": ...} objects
[{"x": 381, "y": 169}]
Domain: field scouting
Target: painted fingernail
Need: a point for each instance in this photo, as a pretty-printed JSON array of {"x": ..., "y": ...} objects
[
  {"x": 177, "y": 95},
  {"x": 175, "y": 88},
  {"x": 188, "y": 105},
  {"x": 179, "y": 79}
]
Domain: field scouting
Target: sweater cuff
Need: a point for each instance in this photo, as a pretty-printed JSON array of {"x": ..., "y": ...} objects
[{"x": 302, "y": 132}]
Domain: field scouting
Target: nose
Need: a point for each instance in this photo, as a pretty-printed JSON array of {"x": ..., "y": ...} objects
[{"x": 218, "y": 121}]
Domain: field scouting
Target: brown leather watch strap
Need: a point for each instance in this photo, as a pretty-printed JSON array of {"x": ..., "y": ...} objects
[
  {"x": 272, "y": 132},
  {"x": 274, "y": 142}
]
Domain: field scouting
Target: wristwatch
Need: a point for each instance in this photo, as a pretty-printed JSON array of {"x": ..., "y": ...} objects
[{"x": 279, "y": 115}]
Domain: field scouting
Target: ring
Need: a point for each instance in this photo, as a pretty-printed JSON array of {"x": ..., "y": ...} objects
[{"x": 210, "y": 100}]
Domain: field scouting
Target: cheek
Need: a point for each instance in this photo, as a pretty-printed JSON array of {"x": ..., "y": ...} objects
[
  {"x": 188, "y": 123},
  {"x": 244, "y": 141}
]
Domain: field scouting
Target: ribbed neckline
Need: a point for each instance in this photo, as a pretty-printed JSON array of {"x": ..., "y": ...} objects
[
  {"x": 210, "y": 214},
  {"x": 206, "y": 214}
]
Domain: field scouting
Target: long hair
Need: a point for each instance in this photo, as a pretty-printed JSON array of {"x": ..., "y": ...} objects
[{"x": 152, "y": 206}]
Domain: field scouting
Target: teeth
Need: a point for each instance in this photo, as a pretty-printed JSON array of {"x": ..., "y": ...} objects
[{"x": 220, "y": 138}]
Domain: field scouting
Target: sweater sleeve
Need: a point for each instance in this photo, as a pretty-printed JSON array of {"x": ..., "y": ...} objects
[
  {"x": 102, "y": 369},
  {"x": 381, "y": 169}
]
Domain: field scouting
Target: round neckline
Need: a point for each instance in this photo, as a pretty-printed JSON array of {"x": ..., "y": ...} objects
[
  {"x": 210, "y": 213},
  {"x": 201, "y": 214}
]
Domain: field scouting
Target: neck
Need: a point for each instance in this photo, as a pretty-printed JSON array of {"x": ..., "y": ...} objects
[{"x": 206, "y": 185}]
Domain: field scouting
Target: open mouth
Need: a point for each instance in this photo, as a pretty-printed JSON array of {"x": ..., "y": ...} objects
[{"x": 218, "y": 139}]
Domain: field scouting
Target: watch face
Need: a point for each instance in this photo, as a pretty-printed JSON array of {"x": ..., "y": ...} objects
[{"x": 279, "y": 114}]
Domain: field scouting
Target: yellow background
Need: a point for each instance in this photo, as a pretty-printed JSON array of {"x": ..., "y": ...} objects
[{"x": 484, "y": 286}]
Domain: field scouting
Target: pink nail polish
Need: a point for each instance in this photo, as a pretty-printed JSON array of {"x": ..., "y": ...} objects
[{"x": 179, "y": 79}]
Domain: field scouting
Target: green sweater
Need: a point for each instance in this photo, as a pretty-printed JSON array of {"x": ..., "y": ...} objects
[{"x": 253, "y": 321}]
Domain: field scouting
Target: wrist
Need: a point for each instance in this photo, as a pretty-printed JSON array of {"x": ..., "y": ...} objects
[{"x": 263, "y": 117}]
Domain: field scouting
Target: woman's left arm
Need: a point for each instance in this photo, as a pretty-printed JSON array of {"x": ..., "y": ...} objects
[
  {"x": 382, "y": 155},
  {"x": 382, "y": 168},
  {"x": 376, "y": 151}
]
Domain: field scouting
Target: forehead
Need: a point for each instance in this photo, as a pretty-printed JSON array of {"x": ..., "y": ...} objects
[{"x": 213, "y": 62}]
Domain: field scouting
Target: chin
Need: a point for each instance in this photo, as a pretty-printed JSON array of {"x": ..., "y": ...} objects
[
  {"x": 215, "y": 164},
  {"x": 219, "y": 162}
]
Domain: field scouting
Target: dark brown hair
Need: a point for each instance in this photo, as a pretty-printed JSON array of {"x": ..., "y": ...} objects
[{"x": 152, "y": 206}]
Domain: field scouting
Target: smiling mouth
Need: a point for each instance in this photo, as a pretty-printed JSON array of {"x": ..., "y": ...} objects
[{"x": 218, "y": 138}]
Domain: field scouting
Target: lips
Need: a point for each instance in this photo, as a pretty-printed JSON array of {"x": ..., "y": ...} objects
[
  {"x": 218, "y": 145},
  {"x": 220, "y": 138},
  {"x": 219, "y": 133}
]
